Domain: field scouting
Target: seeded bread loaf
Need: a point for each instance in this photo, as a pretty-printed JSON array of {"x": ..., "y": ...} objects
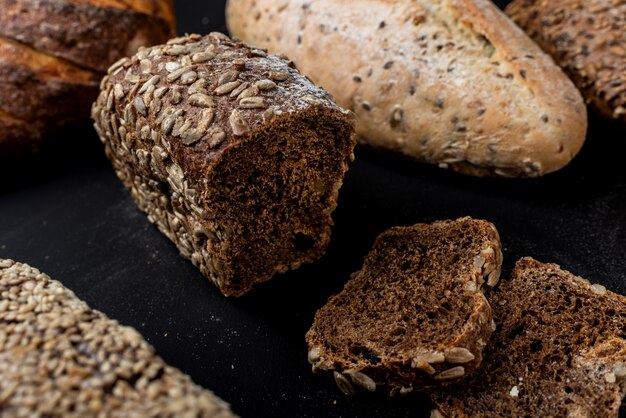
[
  {"x": 587, "y": 38},
  {"x": 53, "y": 54},
  {"x": 559, "y": 351},
  {"x": 60, "y": 358},
  {"x": 452, "y": 82},
  {"x": 233, "y": 154},
  {"x": 415, "y": 314}
]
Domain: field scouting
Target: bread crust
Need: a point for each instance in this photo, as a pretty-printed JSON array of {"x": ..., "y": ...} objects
[
  {"x": 451, "y": 82},
  {"x": 60, "y": 358},
  {"x": 175, "y": 119},
  {"x": 586, "y": 38}
]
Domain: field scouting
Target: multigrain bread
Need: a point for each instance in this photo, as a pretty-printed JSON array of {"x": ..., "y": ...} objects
[
  {"x": 452, "y": 82},
  {"x": 60, "y": 358},
  {"x": 587, "y": 38},
  {"x": 559, "y": 351},
  {"x": 414, "y": 315},
  {"x": 233, "y": 154},
  {"x": 53, "y": 54}
]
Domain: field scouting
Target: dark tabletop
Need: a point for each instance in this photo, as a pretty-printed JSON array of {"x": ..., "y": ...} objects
[{"x": 65, "y": 212}]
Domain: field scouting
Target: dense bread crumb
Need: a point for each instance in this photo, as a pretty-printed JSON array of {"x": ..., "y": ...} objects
[
  {"x": 587, "y": 39},
  {"x": 415, "y": 314},
  {"x": 233, "y": 154},
  {"x": 60, "y": 358},
  {"x": 558, "y": 351}
]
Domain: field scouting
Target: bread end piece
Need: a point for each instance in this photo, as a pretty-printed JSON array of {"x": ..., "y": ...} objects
[
  {"x": 414, "y": 315},
  {"x": 235, "y": 156},
  {"x": 558, "y": 350}
]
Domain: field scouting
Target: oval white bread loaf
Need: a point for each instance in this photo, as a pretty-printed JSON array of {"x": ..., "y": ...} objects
[{"x": 452, "y": 82}]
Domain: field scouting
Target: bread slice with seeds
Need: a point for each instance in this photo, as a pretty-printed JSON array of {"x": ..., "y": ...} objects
[
  {"x": 233, "y": 154},
  {"x": 414, "y": 315},
  {"x": 60, "y": 358},
  {"x": 559, "y": 350}
]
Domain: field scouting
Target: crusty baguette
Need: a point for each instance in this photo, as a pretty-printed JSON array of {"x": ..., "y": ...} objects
[
  {"x": 234, "y": 155},
  {"x": 53, "y": 54},
  {"x": 558, "y": 351},
  {"x": 453, "y": 82},
  {"x": 414, "y": 315},
  {"x": 588, "y": 39},
  {"x": 60, "y": 358}
]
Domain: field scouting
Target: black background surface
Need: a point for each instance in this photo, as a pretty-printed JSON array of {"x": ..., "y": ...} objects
[{"x": 65, "y": 212}]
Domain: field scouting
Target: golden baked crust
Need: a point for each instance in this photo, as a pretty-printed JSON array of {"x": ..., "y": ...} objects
[
  {"x": 588, "y": 40},
  {"x": 452, "y": 82}
]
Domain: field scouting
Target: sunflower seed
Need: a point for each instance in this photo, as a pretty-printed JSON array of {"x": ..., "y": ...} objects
[
  {"x": 118, "y": 91},
  {"x": 151, "y": 81},
  {"x": 459, "y": 355},
  {"x": 189, "y": 77},
  {"x": 122, "y": 63},
  {"x": 430, "y": 358},
  {"x": 140, "y": 106},
  {"x": 216, "y": 136},
  {"x": 311, "y": 99},
  {"x": 176, "y": 50},
  {"x": 206, "y": 119},
  {"x": 145, "y": 65},
  {"x": 619, "y": 370},
  {"x": 172, "y": 66},
  {"x": 265, "y": 85},
  {"x": 198, "y": 87},
  {"x": 452, "y": 373},
  {"x": 191, "y": 136},
  {"x": 133, "y": 78},
  {"x": 314, "y": 355},
  {"x": 201, "y": 100},
  {"x": 160, "y": 92},
  {"x": 219, "y": 35},
  {"x": 181, "y": 126},
  {"x": 479, "y": 261},
  {"x": 110, "y": 102},
  {"x": 238, "y": 123},
  {"x": 144, "y": 133},
  {"x": 177, "y": 95},
  {"x": 362, "y": 380},
  {"x": 200, "y": 57},
  {"x": 598, "y": 289},
  {"x": 143, "y": 157},
  {"x": 249, "y": 92},
  {"x": 344, "y": 384},
  {"x": 228, "y": 77},
  {"x": 269, "y": 114},
  {"x": 176, "y": 74},
  {"x": 227, "y": 88},
  {"x": 252, "y": 103},
  {"x": 239, "y": 89},
  {"x": 168, "y": 122},
  {"x": 278, "y": 75}
]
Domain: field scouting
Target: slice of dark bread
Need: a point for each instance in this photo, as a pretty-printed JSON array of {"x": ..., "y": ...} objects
[
  {"x": 415, "y": 315},
  {"x": 559, "y": 351}
]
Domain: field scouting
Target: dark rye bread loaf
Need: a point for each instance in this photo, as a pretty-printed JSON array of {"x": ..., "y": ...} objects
[
  {"x": 53, "y": 54},
  {"x": 415, "y": 314},
  {"x": 587, "y": 38},
  {"x": 233, "y": 154},
  {"x": 60, "y": 358},
  {"x": 559, "y": 351}
]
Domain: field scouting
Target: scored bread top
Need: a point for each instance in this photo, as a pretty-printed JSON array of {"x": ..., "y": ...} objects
[
  {"x": 559, "y": 350},
  {"x": 414, "y": 315},
  {"x": 588, "y": 40},
  {"x": 453, "y": 82},
  {"x": 60, "y": 358}
]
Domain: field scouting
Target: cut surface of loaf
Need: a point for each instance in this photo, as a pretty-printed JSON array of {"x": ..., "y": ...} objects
[
  {"x": 60, "y": 358},
  {"x": 558, "y": 351},
  {"x": 587, "y": 39},
  {"x": 415, "y": 314},
  {"x": 53, "y": 54},
  {"x": 233, "y": 154},
  {"x": 452, "y": 82}
]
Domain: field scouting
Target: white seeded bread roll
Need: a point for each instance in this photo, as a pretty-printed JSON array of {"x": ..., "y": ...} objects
[{"x": 452, "y": 82}]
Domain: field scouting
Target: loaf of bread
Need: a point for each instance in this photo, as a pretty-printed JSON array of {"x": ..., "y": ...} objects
[
  {"x": 587, "y": 38},
  {"x": 415, "y": 315},
  {"x": 60, "y": 358},
  {"x": 233, "y": 154},
  {"x": 559, "y": 351},
  {"x": 452, "y": 82},
  {"x": 53, "y": 54}
]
